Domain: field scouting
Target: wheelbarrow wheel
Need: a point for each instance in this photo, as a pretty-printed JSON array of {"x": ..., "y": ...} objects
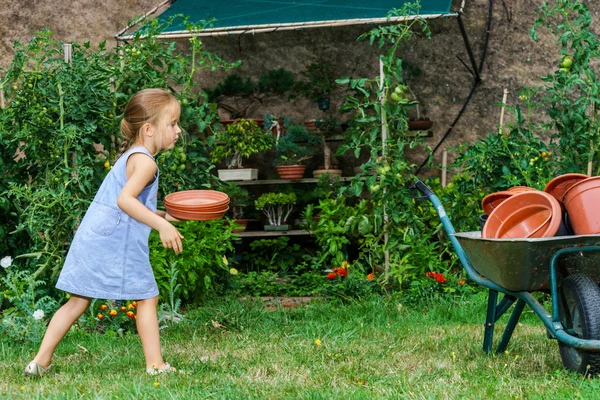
[{"x": 579, "y": 310}]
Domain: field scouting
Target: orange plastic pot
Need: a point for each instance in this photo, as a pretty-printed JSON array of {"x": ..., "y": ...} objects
[
  {"x": 291, "y": 171},
  {"x": 529, "y": 214},
  {"x": 493, "y": 200},
  {"x": 582, "y": 202},
  {"x": 558, "y": 186}
]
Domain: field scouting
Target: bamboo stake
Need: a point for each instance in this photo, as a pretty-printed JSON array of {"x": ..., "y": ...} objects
[
  {"x": 386, "y": 236},
  {"x": 68, "y": 51},
  {"x": 444, "y": 167},
  {"x": 2, "y": 101},
  {"x": 504, "y": 96}
]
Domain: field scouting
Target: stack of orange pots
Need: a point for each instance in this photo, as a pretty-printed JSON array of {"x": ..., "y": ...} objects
[{"x": 197, "y": 205}]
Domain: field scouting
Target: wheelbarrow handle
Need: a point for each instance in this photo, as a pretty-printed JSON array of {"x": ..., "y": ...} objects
[{"x": 419, "y": 186}]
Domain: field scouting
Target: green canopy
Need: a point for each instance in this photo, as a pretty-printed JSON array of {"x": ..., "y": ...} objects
[{"x": 249, "y": 16}]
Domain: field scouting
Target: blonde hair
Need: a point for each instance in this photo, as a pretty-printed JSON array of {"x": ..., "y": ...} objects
[{"x": 146, "y": 106}]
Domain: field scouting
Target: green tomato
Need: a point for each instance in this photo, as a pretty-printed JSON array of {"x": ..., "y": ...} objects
[
  {"x": 173, "y": 167},
  {"x": 565, "y": 70},
  {"x": 374, "y": 188},
  {"x": 566, "y": 62},
  {"x": 400, "y": 89},
  {"x": 181, "y": 167},
  {"x": 15, "y": 87},
  {"x": 395, "y": 96},
  {"x": 182, "y": 157}
]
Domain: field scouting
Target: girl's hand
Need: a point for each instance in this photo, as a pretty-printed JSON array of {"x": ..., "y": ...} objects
[
  {"x": 171, "y": 238},
  {"x": 170, "y": 218}
]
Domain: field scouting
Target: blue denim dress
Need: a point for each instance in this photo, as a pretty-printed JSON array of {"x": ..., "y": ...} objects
[{"x": 109, "y": 256}]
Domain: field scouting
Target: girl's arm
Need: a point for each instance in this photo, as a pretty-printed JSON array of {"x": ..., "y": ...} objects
[
  {"x": 140, "y": 171},
  {"x": 166, "y": 216}
]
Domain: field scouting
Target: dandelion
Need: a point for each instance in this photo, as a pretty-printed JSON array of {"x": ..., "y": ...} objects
[
  {"x": 516, "y": 357},
  {"x": 318, "y": 342},
  {"x": 454, "y": 356},
  {"x": 156, "y": 384},
  {"x": 506, "y": 352},
  {"x": 22, "y": 387},
  {"x": 38, "y": 314},
  {"x": 6, "y": 262},
  {"x": 345, "y": 265},
  {"x": 233, "y": 271},
  {"x": 225, "y": 261}
]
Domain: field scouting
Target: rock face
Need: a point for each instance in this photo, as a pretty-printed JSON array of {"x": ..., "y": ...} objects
[{"x": 433, "y": 69}]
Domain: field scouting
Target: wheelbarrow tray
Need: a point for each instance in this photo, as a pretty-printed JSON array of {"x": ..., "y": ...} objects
[{"x": 523, "y": 264}]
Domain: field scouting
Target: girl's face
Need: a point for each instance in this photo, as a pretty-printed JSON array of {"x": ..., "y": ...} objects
[{"x": 169, "y": 128}]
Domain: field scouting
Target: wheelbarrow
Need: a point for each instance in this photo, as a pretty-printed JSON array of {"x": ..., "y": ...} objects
[{"x": 566, "y": 267}]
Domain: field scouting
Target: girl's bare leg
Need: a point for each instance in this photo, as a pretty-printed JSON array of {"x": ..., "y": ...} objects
[
  {"x": 147, "y": 326},
  {"x": 59, "y": 325}
]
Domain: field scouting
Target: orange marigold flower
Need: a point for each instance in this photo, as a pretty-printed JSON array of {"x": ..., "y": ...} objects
[
  {"x": 130, "y": 307},
  {"x": 103, "y": 307},
  {"x": 331, "y": 275},
  {"x": 130, "y": 314},
  {"x": 461, "y": 281},
  {"x": 123, "y": 308},
  {"x": 100, "y": 316},
  {"x": 113, "y": 313},
  {"x": 134, "y": 304},
  {"x": 371, "y": 276},
  {"x": 134, "y": 318}
]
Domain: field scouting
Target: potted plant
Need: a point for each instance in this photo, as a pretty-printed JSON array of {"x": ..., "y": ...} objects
[
  {"x": 277, "y": 207},
  {"x": 326, "y": 127},
  {"x": 420, "y": 123},
  {"x": 240, "y": 140},
  {"x": 319, "y": 85},
  {"x": 295, "y": 147},
  {"x": 238, "y": 199}
]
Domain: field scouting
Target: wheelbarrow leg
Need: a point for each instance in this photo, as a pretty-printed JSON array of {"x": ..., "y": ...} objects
[
  {"x": 490, "y": 320},
  {"x": 510, "y": 327}
]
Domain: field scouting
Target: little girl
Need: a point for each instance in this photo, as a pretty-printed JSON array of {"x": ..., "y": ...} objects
[{"x": 109, "y": 257}]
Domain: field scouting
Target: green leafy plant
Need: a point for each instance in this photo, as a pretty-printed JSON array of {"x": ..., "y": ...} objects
[
  {"x": 169, "y": 310},
  {"x": 239, "y": 198},
  {"x": 202, "y": 262},
  {"x": 241, "y": 139},
  {"x": 277, "y": 82},
  {"x": 276, "y": 206},
  {"x": 320, "y": 81},
  {"x": 296, "y": 146},
  {"x": 110, "y": 317}
]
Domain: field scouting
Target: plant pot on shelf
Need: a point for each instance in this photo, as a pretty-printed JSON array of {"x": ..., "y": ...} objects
[
  {"x": 333, "y": 171},
  {"x": 241, "y": 222},
  {"x": 291, "y": 171},
  {"x": 238, "y": 174},
  {"x": 419, "y": 125},
  {"x": 277, "y": 227}
]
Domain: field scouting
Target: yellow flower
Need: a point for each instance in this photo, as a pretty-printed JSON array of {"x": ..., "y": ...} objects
[
  {"x": 318, "y": 342},
  {"x": 233, "y": 271},
  {"x": 225, "y": 261},
  {"x": 345, "y": 264},
  {"x": 156, "y": 384},
  {"x": 22, "y": 387}
]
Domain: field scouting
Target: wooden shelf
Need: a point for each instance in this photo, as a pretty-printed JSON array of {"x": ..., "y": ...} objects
[
  {"x": 298, "y": 232},
  {"x": 283, "y": 181}
]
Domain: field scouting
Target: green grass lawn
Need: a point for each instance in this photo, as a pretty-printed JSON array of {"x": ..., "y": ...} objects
[{"x": 378, "y": 349}]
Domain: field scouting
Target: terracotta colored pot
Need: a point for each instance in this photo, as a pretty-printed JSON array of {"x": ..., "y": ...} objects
[
  {"x": 419, "y": 125},
  {"x": 196, "y": 200},
  {"x": 493, "y": 200},
  {"x": 243, "y": 223},
  {"x": 291, "y": 171},
  {"x": 558, "y": 186},
  {"x": 520, "y": 189},
  {"x": 530, "y": 214},
  {"x": 582, "y": 202},
  {"x": 196, "y": 216}
]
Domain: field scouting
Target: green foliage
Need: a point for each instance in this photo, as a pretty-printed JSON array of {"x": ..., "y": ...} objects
[
  {"x": 232, "y": 85},
  {"x": 274, "y": 254},
  {"x": 570, "y": 94},
  {"x": 277, "y": 82},
  {"x": 353, "y": 288},
  {"x": 169, "y": 310},
  {"x": 296, "y": 146},
  {"x": 203, "y": 259},
  {"x": 320, "y": 81},
  {"x": 516, "y": 157},
  {"x": 241, "y": 139},
  {"x": 238, "y": 198},
  {"x": 26, "y": 318}
]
